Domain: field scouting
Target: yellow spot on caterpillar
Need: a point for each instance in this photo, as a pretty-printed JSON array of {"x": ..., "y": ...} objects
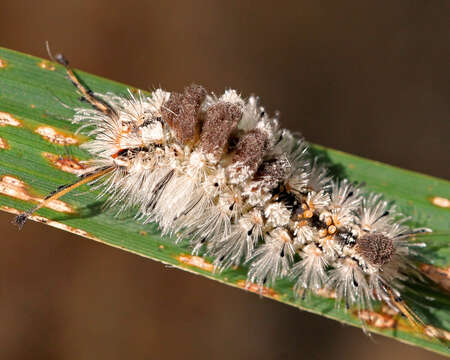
[
  {"x": 6, "y": 119},
  {"x": 351, "y": 166},
  {"x": 195, "y": 261},
  {"x": 50, "y": 134},
  {"x": 15, "y": 188},
  {"x": 440, "y": 276},
  {"x": 55, "y": 224},
  {"x": 441, "y": 202},
  {"x": 161, "y": 247},
  {"x": 3, "y": 63},
  {"x": 142, "y": 232},
  {"x": 262, "y": 290},
  {"x": 3, "y": 144},
  {"x": 32, "y": 106},
  {"x": 375, "y": 319},
  {"x": 65, "y": 164},
  {"x": 44, "y": 64}
]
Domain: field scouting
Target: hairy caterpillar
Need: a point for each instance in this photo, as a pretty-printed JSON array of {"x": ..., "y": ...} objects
[{"x": 220, "y": 171}]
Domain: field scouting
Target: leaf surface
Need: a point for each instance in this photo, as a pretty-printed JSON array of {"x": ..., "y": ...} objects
[{"x": 35, "y": 130}]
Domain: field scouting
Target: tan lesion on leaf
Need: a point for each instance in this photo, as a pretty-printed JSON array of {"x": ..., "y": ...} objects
[
  {"x": 258, "y": 289},
  {"x": 3, "y": 144},
  {"x": 70, "y": 165},
  {"x": 3, "y": 63},
  {"x": 327, "y": 293},
  {"x": 6, "y": 119},
  {"x": 46, "y": 65},
  {"x": 388, "y": 318},
  {"x": 323, "y": 292},
  {"x": 55, "y": 137},
  {"x": 440, "y": 276},
  {"x": 379, "y": 320},
  {"x": 435, "y": 332},
  {"x": 195, "y": 261},
  {"x": 17, "y": 189},
  {"x": 441, "y": 202}
]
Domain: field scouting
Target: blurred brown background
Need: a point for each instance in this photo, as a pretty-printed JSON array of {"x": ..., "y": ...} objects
[{"x": 366, "y": 77}]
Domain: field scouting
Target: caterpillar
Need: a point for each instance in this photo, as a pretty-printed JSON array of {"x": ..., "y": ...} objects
[{"x": 221, "y": 172}]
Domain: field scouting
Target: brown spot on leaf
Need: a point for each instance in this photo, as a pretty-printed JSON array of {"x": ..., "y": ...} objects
[
  {"x": 324, "y": 292},
  {"x": 3, "y": 63},
  {"x": 385, "y": 309},
  {"x": 15, "y": 188},
  {"x": 434, "y": 332},
  {"x": 262, "y": 290},
  {"x": 440, "y": 276},
  {"x": 6, "y": 119},
  {"x": 195, "y": 261},
  {"x": 69, "y": 165},
  {"x": 46, "y": 65},
  {"x": 55, "y": 137},
  {"x": 376, "y": 319},
  {"x": 3, "y": 144},
  {"x": 441, "y": 202}
]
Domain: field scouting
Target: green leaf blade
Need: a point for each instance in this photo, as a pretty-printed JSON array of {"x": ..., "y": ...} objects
[{"x": 35, "y": 96}]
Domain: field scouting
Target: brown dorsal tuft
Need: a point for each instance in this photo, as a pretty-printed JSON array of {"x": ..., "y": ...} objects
[
  {"x": 181, "y": 112},
  {"x": 375, "y": 248},
  {"x": 221, "y": 120},
  {"x": 274, "y": 171},
  {"x": 249, "y": 154}
]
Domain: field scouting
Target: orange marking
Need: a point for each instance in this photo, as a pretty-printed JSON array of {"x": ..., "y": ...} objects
[
  {"x": 434, "y": 332},
  {"x": 195, "y": 261},
  {"x": 68, "y": 165},
  {"x": 375, "y": 319},
  {"x": 441, "y": 202},
  {"x": 6, "y": 119},
  {"x": 15, "y": 188},
  {"x": 324, "y": 292},
  {"x": 114, "y": 156},
  {"x": 4, "y": 144},
  {"x": 331, "y": 229},
  {"x": 50, "y": 134},
  {"x": 440, "y": 276},
  {"x": 255, "y": 288},
  {"x": 44, "y": 64},
  {"x": 3, "y": 63}
]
